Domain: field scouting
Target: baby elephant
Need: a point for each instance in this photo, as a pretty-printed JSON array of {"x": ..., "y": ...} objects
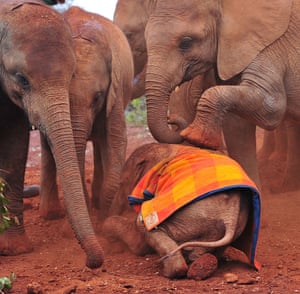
[{"x": 187, "y": 202}]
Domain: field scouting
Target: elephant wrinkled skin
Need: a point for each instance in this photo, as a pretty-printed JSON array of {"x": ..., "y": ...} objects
[
  {"x": 200, "y": 221},
  {"x": 132, "y": 17},
  {"x": 99, "y": 92},
  {"x": 37, "y": 63},
  {"x": 253, "y": 42}
]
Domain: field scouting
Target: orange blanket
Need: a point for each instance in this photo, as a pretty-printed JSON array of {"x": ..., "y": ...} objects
[{"x": 193, "y": 174}]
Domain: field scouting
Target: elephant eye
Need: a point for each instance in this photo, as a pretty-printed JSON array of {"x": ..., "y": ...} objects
[
  {"x": 98, "y": 100},
  {"x": 129, "y": 35},
  {"x": 186, "y": 43},
  {"x": 22, "y": 81}
]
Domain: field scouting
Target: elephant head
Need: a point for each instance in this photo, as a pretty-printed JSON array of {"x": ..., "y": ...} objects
[
  {"x": 100, "y": 91},
  {"x": 37, "y": 63},
  {"x": 189, "y": 38},
  {"x": 132, "y": 17}
]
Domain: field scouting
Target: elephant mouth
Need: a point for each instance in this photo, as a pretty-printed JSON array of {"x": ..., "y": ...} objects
[{"x": 194, "y": 69}]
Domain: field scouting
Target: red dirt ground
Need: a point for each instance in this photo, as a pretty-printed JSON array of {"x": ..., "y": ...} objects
[{"x": 57, "y": 263}]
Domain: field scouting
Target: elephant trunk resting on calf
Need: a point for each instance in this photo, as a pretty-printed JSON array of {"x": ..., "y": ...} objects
[{"x": 184, "y": 194}]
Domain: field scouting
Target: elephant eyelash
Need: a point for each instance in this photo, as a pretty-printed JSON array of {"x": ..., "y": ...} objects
[
  {"x": 129, "y": 35},
  {"x": 186, "y": 43},
  {"x": 17, "y": 96},
  {"x": 22, "y": 81},
  {"x": 98, "y": 99}
]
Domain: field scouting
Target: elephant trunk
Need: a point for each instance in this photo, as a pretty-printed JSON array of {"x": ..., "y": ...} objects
[
  {"x": 81, "y": 134},
  {"x": 157, "y": 99},
  {"x": 56, "y": 125}
]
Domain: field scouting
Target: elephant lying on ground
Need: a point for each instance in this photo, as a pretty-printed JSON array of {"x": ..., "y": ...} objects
[
  {"x": 99, "y": 92},
  {"x": 228, "y": 208}
]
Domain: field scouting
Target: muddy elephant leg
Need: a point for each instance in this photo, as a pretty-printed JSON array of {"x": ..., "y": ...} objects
[
  {"x": 50, "y": 206},
  {"x": 267, "y": 147},
  {"x": 14, "y": 138},
  {"x": 98, "y": 175},
  {"x": 173, "y": 266},
  {"x": 281, "y": 143},
  {"x": 292, "y": 168},
  {"x": 240, "y": 138}
]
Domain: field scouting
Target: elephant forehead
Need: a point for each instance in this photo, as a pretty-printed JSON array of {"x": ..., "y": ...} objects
[{"x": 39, "y": 33}]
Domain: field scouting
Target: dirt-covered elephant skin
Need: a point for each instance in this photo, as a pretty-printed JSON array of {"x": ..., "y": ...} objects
[
  {"x": 132, "y": 17},
  {"x": 204, "y": 221},
  {"x": 250, "y": 41},
  {"x": 278, "y": 158},
  {"x": 37, "y": 63},
  {"x": 99, "y": 92}
]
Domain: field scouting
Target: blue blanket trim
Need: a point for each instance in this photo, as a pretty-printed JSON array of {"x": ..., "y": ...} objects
[{"x": 255, "y": 202}]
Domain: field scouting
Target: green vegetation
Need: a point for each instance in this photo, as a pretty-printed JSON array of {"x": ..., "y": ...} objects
[
  {"x": 6, "y": 283},
  {"x": 5, "y": 221},
  {"x": 136, "y": 111},
  {"x": 5, "y": 218}
]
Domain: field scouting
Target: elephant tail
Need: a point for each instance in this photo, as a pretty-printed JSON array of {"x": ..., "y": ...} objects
[{"x": 228, "y": 237}]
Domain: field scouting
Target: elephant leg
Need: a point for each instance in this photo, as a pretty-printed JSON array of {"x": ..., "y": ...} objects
[
  {"x": 109, "y": 159},
  {"x": 292, "y": 168},
  {"x": 50, "y": 206},
  {"x": 173, "y": 266},
  {"x": 280, "y": 151},
  {"x": 98, "y": 175},
  {"x": 240, "y": 138},
  {"x": 267, "y": 147},
  {"x": 14, "y": 138}
]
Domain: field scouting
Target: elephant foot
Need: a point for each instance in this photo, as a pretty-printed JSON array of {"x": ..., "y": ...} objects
[
  {"x": 51, "y": 211},
  {"x": 203, "y": 137},
  {"x": 31, "y": 191},
  {"x": 203, "y": 267},
  {"x": 174, "y": 267},
  {"x": 14, "y": 244}
]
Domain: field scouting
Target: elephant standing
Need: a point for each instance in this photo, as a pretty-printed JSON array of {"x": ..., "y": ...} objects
[
  {"x": 253, "y": 42},
  {"x": 132, "y": 17},
  {"x": 163, "y": 177},
  {"x": 99, "y": 92},
  {"x": 37, "y": 63}
]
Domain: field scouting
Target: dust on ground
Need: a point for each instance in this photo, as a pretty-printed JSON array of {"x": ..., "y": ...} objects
[{"x": 57, "y": 264}]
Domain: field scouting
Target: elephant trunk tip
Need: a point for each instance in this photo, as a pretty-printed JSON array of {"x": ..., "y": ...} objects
[
  {"x": 94, "y": 253},
  {"x": 95, "y": 261}
]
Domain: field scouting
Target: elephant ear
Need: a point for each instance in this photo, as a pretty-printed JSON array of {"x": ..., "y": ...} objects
[
  {"x": 247, "y": 27},
  {"x": 120, "y": 90}
]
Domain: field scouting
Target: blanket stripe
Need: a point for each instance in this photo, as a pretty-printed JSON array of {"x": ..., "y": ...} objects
[{"x": 190, "y": 175}]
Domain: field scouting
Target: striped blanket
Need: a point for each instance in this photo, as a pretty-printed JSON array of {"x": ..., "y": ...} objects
[{"x": 191, "y": 175}]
